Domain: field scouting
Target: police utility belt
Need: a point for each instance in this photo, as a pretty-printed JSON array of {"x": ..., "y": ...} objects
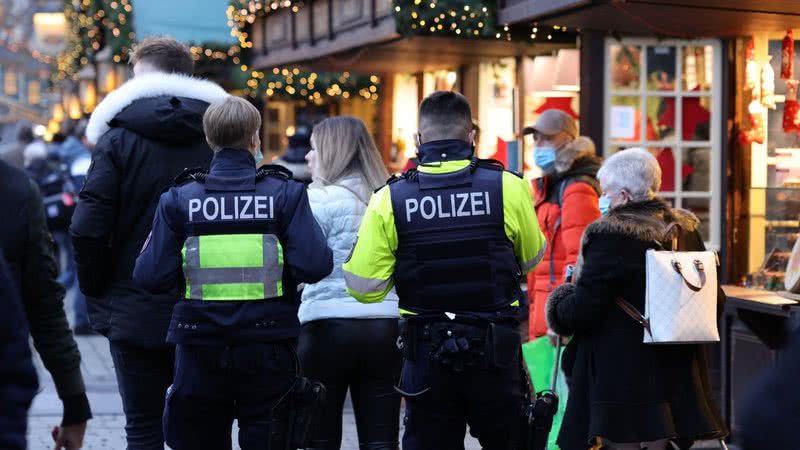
[{"x": 459, "y": 344}]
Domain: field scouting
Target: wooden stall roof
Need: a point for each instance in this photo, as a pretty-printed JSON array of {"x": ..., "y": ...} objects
[
  {"x": 669, "y": 18},
  {"x": 374, "y": 46}
]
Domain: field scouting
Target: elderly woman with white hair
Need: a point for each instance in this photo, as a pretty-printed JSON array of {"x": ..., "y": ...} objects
[{"x": 624, "y": 394}]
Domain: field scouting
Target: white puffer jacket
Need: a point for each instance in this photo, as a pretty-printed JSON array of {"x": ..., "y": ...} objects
[{"x": 339, "y": 212}]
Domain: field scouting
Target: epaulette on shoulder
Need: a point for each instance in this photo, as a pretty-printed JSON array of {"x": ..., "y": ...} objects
[
  {"x": 516, "y": 173},
  {"x": 492, "y": 164},
  {"x": 197, "y": 174},
  {"x": 410, "y": 175},
  {"x": 392, "y": 179},
  {"x": 272, "y": 170}
]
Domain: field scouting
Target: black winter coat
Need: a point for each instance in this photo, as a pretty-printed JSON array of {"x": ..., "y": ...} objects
[
  {"x": 17, "y": 376},
  {"x": 28, "y": 249},
  {"x": 147, "y": 132},
  {"x": 768, "y": 417},
  {"x": 621, "y": 389}
]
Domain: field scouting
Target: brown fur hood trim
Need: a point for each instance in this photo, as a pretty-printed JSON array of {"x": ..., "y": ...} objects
[
  {"x": 645, "y": 221},
  {"x": 580, "y": 148}
]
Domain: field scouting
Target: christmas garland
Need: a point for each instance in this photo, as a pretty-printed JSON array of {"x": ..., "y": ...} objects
[
  {"x": 296, "y": 84},
  {"x": 94, "y": 25},
  {"x": 459, "y": 18}
]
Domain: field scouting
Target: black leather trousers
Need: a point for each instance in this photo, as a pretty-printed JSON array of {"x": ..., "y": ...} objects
[{"x": 359, "y": 355}]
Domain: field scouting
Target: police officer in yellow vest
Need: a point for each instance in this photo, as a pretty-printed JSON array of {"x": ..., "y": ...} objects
[
  {"x": 232, "y": 243},
  {"x": 454, "y": 237}
]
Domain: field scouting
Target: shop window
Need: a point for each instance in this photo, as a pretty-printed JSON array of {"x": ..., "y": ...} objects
[
  {"x": 10, "y": 83},
  {"x": 774, "y": 206},
  {"x": 664, "y": 96},
  {"x": 34, "y": 93}
]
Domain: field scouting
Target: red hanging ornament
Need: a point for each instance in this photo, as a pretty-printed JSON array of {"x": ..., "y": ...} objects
[
  {"x": 787, "y": 56},
  {"x": 791, "y": 108}
]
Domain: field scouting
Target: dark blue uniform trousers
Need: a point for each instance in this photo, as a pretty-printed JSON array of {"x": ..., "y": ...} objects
[
  {"x": 440, "y": 403},
  {"x": 215, "y": 385}
]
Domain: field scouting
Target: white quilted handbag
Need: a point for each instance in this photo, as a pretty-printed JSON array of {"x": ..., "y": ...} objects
[{"x": 680, "y": 299}]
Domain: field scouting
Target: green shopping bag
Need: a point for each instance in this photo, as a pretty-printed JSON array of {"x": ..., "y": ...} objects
[{"x": 539, "y": 357}]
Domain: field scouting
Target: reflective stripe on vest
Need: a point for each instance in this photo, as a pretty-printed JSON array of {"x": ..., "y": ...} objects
[{"x": 233, "y": 267}]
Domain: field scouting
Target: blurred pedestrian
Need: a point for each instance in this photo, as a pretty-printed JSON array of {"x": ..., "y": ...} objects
[
  {"x": 36, "y": 150},
  {"x": 768, "y": 417},
  {"x": 343, "y": 343},
  {"x": 146, "y": 133},
  {"x": 623, "y": 392},
  {"x": 565, "y": 198},
  {"x": 235, "y": 268},
  {"x": 14, "y": 152},
  {"x": 18, "y": 382},
  {"x": 294, "y": 158},
  {"x": 75, "y": 158},
  {"x": 28, "y": 248}
]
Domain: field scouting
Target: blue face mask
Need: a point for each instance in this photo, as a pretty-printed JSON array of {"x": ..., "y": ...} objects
[
  {"x": 545, "y": 157},
  {"x": 604, "y": 204},
  {"x": 259, "y": 156}
]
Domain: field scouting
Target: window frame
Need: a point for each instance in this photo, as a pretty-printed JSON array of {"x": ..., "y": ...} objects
[{"x": 677, "y": 144}]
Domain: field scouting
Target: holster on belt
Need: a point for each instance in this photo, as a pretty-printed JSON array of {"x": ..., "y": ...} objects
[
  {"x": 307, "y": 398},
  {"x": 502, "y": 344},
  {"x": 407, "y": 342}
]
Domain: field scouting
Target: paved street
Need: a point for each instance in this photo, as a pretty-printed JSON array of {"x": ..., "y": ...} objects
[{"x": 106, "y": 430}]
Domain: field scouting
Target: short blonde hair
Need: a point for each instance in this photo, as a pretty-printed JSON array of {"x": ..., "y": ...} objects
[{"x": 231, "y": 123}]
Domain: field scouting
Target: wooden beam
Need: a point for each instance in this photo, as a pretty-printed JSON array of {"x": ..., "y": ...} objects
[
  {"x": 293, "y": 24},
  {"x": 592, "y": 62},
  {"x": 311, "y": 39},
  {"x": 385, "y": 117},
  {"x": 264, "y": 48},
  {"x": 331, "y": 34}
]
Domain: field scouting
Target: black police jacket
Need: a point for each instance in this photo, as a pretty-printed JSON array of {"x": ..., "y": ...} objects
[{"x": 233, "y": 202}]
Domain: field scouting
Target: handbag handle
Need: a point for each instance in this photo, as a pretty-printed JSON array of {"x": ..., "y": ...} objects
[
  {"x": 633, "y": 313},
  {"x": 700, "y": 270}
]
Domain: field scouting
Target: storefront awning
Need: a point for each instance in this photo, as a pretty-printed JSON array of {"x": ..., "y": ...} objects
[{"x": 669, "y": 18}]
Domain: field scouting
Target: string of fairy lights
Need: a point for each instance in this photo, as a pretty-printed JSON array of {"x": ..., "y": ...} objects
[
  {"x": 93, "y": 26},
  {"x": 289, "y": 82},
  {"x": 97, "y": 24}
]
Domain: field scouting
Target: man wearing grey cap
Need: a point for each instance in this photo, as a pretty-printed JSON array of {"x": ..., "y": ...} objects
[{"x": 566, "y": 201}]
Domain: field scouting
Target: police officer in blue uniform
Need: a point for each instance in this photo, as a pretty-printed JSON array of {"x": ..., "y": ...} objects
[
  {"x": 454, "y": 237},
  {"x": 233, "y": 244}
]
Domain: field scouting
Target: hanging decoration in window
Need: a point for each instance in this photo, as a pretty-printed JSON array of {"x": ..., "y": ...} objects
[
  {"x": 755, "y": 110},
  {"x": 787, "y": 56},
  {"x": 768, "y": 85}
]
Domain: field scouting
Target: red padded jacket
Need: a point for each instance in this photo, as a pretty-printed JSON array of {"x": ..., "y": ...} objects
[{"x": 578, "y": 208}]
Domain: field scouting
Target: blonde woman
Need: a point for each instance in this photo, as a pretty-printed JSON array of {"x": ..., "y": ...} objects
[{"x": 343, "y": 343}]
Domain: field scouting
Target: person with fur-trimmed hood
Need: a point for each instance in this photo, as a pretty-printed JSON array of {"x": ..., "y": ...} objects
[
  {"x": 565, "y": 198},
  {"x": 623, "y": 392},
  {"x": 145, "y": 134}
]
